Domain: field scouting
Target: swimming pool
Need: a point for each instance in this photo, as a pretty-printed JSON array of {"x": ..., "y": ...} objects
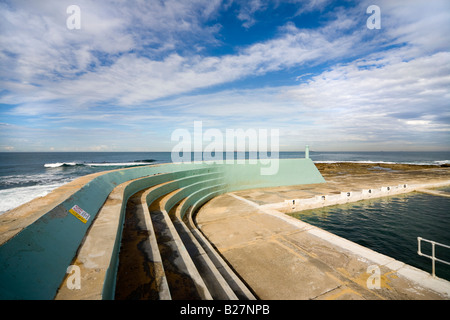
[{"x": 391, "y": 225}]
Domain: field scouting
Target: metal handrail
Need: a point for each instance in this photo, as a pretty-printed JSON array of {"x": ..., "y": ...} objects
[{"x": 433, "y": 253}]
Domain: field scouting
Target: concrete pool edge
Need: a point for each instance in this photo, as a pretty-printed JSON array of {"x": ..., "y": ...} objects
[
  {"x": 349, "y": 196},
  {"x": 423, "y": 278}
]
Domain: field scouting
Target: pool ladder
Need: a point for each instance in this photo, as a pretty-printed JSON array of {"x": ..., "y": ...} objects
[{"x": 433, "y": 253}]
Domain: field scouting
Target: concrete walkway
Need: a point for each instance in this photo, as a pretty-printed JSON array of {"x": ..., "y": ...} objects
[{"x": 281, "y": 257}]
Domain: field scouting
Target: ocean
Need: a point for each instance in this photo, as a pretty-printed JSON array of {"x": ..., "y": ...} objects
[{"x": 27, "y": 175}]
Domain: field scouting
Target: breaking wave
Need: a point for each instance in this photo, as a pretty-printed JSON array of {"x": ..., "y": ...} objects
[{"x": 99, "y": 164}]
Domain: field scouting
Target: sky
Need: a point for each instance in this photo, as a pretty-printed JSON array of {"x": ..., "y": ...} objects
[{"x": 133, "y": 72}]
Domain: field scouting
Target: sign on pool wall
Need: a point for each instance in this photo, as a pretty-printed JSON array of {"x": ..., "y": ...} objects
[{"x": 82, "y": 215}]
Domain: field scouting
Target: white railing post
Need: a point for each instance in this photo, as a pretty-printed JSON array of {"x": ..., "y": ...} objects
[
  {"x": 433, "y": 253},
  {"x": 433, "y": 260}
]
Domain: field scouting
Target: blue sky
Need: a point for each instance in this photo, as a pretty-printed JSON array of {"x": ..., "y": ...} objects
[{"x": 138, "y": 70}]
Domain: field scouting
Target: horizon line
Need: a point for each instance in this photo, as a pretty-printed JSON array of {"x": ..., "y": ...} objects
[{"x": 423, "y": 151}]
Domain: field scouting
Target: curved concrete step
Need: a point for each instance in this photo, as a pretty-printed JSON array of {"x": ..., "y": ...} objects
[
  {"x": 96, "y": 259},
  {"x": 236, "y": 284},
  {"x": 141, "y": 271},
  {"x": 160, "y": 256},
  {"x": 96, "y": 254},
  {"x": 139, "y": 284},
  {"x": 213, "y": 279},
  {"x": 183, "y": 278}
]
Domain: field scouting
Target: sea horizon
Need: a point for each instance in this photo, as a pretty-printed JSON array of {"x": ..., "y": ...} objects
[
  {"x": 25, "y": 177},
  {"x": 310, "y": 150}
]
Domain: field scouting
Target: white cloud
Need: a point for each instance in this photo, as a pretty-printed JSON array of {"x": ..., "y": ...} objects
[
  {"x": 419, "y": 23},
  {"x": 41, "y": 46},
  {"x": 132, "y": 66},
  {"x": 248, "y": 9},
  {"x": 362, "y": 102},
  {"x": 133, "y": 79}
]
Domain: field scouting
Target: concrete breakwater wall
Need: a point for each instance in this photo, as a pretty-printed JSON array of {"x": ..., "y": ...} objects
[{"x": 35, "y": 260}]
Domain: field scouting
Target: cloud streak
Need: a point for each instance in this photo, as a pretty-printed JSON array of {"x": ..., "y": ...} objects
[{"x": 149, "y": 64}]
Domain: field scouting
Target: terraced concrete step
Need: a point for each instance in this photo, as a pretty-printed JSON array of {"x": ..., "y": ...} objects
[
  {"x": 137, "y": 267},
  {"x": 217, "y": 285},
  {"x": 184, "y": 280},
  {"x": 157, "y": 243},
  {"x": 239, "y": 288},
  {"x": 159, "y": 256},
  {"x": 141, "y": 272},
  {"x": 183, "y": 215},
  {"x": 96, "y": 256}
]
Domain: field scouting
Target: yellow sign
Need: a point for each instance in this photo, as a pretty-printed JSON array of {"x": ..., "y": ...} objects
[{"x": 82, "y": 215}]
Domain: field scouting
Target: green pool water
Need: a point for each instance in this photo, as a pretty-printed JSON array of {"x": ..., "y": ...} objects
[{"x": 391, "y": 225}]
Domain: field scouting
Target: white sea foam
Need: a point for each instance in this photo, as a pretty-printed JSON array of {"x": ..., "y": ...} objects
[
  {"x": 21, "y": 189},
  {"x": 59, "y": 164},
  {"x": 119, "y": 164},
  {"x": 100, "y": 164},
  {"x": 14, "y": 181},
  {"x": 14, "y": 197}
]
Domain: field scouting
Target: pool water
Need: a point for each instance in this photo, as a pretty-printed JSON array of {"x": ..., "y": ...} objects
[{"x": 391, "y": 225}]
